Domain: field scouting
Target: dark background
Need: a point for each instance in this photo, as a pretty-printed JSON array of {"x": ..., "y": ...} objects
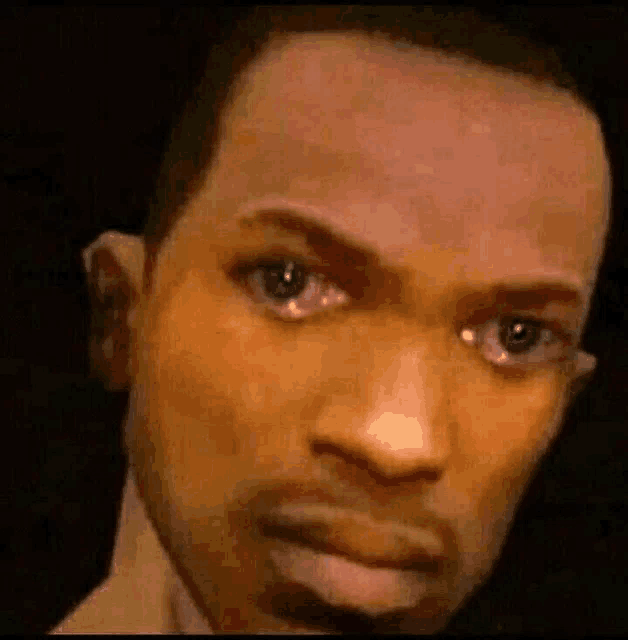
[{"x": 87, "y": 97}]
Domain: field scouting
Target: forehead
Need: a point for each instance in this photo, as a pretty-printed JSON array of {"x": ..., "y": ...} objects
[
  {"x": 355, "y": 94},
  {"x": 402, "y": 147}
]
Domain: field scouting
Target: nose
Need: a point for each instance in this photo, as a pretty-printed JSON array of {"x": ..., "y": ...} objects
[{"x": 403, "y": 428}]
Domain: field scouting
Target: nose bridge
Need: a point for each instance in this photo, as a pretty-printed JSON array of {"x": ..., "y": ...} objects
[{"x": 403, "y": 428}]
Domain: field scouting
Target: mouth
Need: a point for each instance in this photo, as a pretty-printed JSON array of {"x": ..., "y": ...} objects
[{"x": 356, "y": 537}]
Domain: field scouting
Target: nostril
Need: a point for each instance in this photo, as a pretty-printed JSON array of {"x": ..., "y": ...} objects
[{"x": 365, "y": 469}]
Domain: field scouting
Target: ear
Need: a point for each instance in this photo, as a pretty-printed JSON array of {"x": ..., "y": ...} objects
[
  {"x": 114, "y": 264},
  {"x": 584, "y": 368}
]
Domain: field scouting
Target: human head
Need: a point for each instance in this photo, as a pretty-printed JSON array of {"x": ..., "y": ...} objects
[{"x": 431, "y": 191}]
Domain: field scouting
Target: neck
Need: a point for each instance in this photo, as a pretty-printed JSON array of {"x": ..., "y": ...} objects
[{"x": 159, "y": 599}]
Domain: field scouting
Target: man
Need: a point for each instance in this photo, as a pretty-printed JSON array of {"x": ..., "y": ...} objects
[{"x": 353, "y": 344}]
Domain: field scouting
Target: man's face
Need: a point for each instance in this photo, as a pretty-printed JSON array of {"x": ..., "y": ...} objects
[{"x": 358, "y": 344}]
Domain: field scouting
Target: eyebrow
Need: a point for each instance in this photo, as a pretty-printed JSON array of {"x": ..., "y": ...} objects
[
  {"x": 363, "y": 267},
  {"x": 386, "y": 282}
]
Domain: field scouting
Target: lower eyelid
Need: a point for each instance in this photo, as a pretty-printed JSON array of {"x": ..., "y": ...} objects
[
  {"x": 304, "y": 299},
  {"x": 325, "y": 296}
]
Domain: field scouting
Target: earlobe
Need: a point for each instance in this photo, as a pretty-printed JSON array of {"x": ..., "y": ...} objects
[{"x": 114, "y": 264}]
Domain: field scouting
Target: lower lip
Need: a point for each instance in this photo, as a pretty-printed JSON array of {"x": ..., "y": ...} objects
[{"x": 344, "y": 583}]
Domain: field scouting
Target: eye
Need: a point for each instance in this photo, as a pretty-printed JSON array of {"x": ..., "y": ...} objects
[
  {"x": 292, "y": 290},
  {"x": 517, "y": 341}
]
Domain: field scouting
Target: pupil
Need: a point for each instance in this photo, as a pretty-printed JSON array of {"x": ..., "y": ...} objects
[
  {"x": 284, "y": 280},
  {"x": 519, "y": 335}
]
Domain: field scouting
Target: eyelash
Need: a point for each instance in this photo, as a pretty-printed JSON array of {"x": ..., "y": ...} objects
[{"x": 332, "y": 295}]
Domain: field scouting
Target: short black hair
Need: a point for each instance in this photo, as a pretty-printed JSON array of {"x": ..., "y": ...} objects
[{"x": 240, "y": 36}]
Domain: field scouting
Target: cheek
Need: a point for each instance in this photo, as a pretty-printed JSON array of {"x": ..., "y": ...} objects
[
  {"x": 503, "y": 427},
  {"x": 501, "y": 418},
  {"x": 225, "y": 387}
]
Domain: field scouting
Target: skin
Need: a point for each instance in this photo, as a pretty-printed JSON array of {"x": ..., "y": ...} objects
[{"x": 454, "y": 183}]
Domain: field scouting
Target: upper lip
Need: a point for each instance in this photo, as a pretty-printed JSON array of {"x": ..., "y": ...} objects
[{"x": 379, "y": 543}]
